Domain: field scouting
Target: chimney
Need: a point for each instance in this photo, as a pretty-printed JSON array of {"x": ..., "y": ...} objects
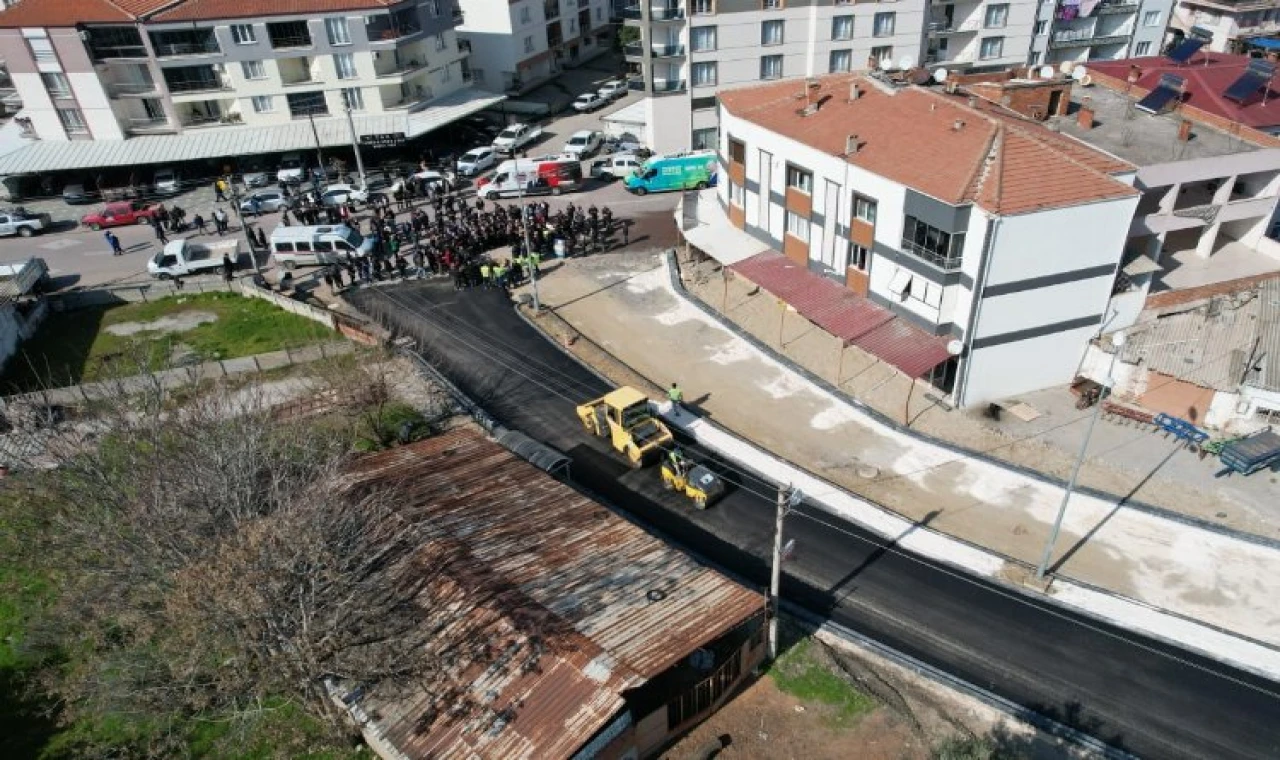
[
  {"x": 958, "y": 125},
  {"x": 855, "y": 92},
  {"x": 1184, "y": 130},
  {"x": 851, "y": 145},
  {"x": 973, "y": 101},
  {"x": 1135, "y": 73},
  {"x": 1085, "y": 117}
]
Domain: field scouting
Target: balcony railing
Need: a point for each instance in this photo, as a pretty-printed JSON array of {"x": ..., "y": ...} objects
[
  {"x": 150, "y": 124},
  {"x": 942, "y": 261},
  {"x": 666, "y": 14},
  {"x": 1085, "y": 39},
  {"x": 402, "y": 68},
  {"x": 632, "y": 12},
  {"x": 392, "y": 33},
  {"x": 667, "y": 86},
  {"x": 668, "y": 51},
  {"x": 633, "y": 50},
  {"x": 196, "y": 85},
  {"x": 106, "y": 52},
  {"x": 309, "y": 112},
  {"x": 121, "y": 89},
  {"x": 1115, "y": 7},
  {"x": 200, "y": 120},
  {"x": 635, "y": 84},
  {"x": 171, "y": 49},
  {"x": 281, "y": 41}
]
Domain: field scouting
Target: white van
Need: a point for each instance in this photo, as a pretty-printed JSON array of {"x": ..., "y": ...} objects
[{"x": 307, "y": 246}]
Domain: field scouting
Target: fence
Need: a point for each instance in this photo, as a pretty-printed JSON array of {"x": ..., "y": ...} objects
[{"x": 324, "y": 317}]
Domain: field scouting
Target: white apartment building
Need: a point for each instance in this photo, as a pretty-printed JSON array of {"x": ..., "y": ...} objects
[
  {"x": 189, "y": 68},
  {"x": 1087, "y": 30},
  {"x": 978, "y": 35},
  {"x": 988, "y": 231},
  {"x": 517, "y": 45},
  {"x": 1231, "y": 22}
]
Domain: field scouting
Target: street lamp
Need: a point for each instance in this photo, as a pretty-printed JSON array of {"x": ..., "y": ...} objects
[{"x": 1117, "y": 341}]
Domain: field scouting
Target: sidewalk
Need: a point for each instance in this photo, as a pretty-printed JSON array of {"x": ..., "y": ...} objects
[{"x": 625, "y": 303}]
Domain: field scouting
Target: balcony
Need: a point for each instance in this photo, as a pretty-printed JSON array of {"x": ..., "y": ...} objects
[
  {"x": 667, "y": 51},
  {"x": 189, "y": 79},
  {"x": 298, "y": 71},
  {"x": 177, "y": 44},
  {"x": 635, "y": 84},
  {"x": 669, "y": 86},
  {"x": 1084, "y": 38},
  {"x": 401, "y": 69},
  {"x": 391, "y": 28},
  {"x": 633, "y": 50},
  {"x": 1116, "y": 7},
  {"x": 289, "y": 34},
  {"x": 149, "y": 126},
  {"x": 668, "y": 13},
  {"x": 941, "y": 27},
  {"x": 132, "y": 89},
  {"x": 632, "y": 13},
  {"x": 551, "y": 9},
  {"x": 108, "y": 52}
]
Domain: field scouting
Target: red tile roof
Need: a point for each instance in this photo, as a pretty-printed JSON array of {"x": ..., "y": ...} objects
[
  {"x": 61, "y": 13},
  {"x": 845, "y": 314},
  {"x": 1207, "y": 77},
  {"x": 201, "y": 10},
  {"x": 934, "y": 144}
]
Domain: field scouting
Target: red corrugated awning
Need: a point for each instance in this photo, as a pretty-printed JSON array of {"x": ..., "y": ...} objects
[{"x": 845, "y": 314}]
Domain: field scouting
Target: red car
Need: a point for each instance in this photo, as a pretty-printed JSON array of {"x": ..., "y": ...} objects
[{"x": 120, "y": 213}]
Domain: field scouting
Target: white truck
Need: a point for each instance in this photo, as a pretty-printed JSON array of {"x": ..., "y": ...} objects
[
  {"x": 182, "y": 258},
  {"x": 516, "y": 137},
  {"x": 19, "y": 221},
  {"x": 18, "y": 278}
]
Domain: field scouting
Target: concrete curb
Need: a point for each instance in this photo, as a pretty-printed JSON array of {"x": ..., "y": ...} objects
[{"x": 678, "y": 286}]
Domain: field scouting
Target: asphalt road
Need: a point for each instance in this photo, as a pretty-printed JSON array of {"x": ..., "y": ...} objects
[{"x": 1131, "y": 692}]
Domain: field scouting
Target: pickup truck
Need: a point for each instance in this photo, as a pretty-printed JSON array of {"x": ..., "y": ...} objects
[
  {"x": 18, "y": 278},
  {"x": 515, "y": 137},
  {"x": 181, "y": 258},
  {"x": 119, "y": 213},
  {"x": 17, "y": 221}
]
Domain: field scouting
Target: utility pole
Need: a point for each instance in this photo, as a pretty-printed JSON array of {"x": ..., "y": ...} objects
[
  {"x": 355, "y": 145},
  {"x": 788, "y": 498},
  {"x": 248, "y": 234},
  {"x": 528, "y": 250},
  {"x": 1117, "y": 340},
  {"x": 311, "y": 116}
]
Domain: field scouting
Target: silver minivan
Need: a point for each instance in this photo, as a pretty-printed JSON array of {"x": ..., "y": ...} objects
[{"x": 309, "y": 246}]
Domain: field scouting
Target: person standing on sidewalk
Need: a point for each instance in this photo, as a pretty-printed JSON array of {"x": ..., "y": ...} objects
[
  {"x": 676, "y": 397},
  {"x": 158, "y": 227},
  {"x": 114, "y": 242},
  {"x": 219, "y": 190}
]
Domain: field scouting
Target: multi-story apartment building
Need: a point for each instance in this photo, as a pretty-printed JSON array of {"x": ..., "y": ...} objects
[
  {"x": 988, "y": 233},
  {"x": 1084, "y": 30},
  {"x": 978, "y": 34},
  {"x": 92, "y": 70},
  {"x": 1231, "y": 22},
  {"x": 692, "y": 49},
  {"x": 518, "y": 44}
]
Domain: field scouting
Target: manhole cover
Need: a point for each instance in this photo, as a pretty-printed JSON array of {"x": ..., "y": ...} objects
[{"x": 867, "y": 472}]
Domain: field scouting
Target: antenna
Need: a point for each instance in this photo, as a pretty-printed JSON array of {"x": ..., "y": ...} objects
[{"x": 940, "y": 75}]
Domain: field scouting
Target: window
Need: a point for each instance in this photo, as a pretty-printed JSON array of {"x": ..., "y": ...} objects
[
  {"x": 842, "y": 28},
  {"x": 433, "y": 8},
  {"x": 353, "y": 98},
  {"x": 339, "y": 34},
  {"x": 1151, "y": 18},
  {"x": 799, "y": 179},
  {"x": 858, "y": 256},
  {"x": 1041, "y": 28},
  {"x": 703, "y": 7},
  {"x": 772, "y": 5},
  {"x": 57, "y": 85},
  {"x": 771, "y": 32},
  {"x": 864, "y": 208},
  {"x": 263, "y": 104},
  {"x": 883, "y": 53},
  {"x": 253, "y": 70},
  {"x": 940, "y": 248},
  {"x": 703, "y": 74},
  {"x": 997, "y": 16},
  {"x": 1141, "y": 49},
  {"x": 524, "y": 15},
  {"x": 345, "y": 65},
  {"x": 703, "y": 104},
  {"x": 72, "y": 121},
  {"x": 706, "y": 139},
  {"x": 599, "y": 15},
  {"x": 991, "y": 47},
  {"x": 440, "y": 42},
  {"x": 304, "y": 103},
  {"x": 797, "y": 226},
  {"x": 702, "y": 38},
  {"x": 841, "y": 61},
  {"x": 884, "y": 24},
  {"x": 42, "y": 50},
  {"x": 242, "y": 34},
  {"x": 771, "y": 67},
  {"x": 738, "y": 152},
  {"x": 528, "y": 44}
]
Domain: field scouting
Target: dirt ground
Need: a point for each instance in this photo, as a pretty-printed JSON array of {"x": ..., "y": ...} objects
[{"x": 763, "y": 722}]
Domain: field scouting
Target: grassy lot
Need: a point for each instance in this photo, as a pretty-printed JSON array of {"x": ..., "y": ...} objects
[
  {"x": 73, "y": 347},
  {"x": 802, "y": 673}
]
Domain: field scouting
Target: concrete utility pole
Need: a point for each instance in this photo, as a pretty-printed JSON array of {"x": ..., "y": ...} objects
[
  {"x": 244, "y": 226},
  {"x": 1117, "y": 340},
  {"x": 355, "y": 145},
  {"x": 324, "y": 174},
  {"x": 788, "y": 498},
  {"x": 528, "y": 251}
]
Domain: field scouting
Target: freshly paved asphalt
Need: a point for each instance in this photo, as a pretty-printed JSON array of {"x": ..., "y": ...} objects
[{"x": 1132, "y": 692}]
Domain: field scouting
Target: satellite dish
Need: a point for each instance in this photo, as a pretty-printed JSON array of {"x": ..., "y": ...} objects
[
  {"x": 940, "y": 75},
  {"x": 906, "y": 62},
  {"x": 1079, "y": 73},
  {"x": 1086, "y": 80},
  {"x": 955, "y": 347},
  {"x": 1046, "y": 72},
  {"x": 886, "y": 63},
  {"x": 1067, "y": 66}
]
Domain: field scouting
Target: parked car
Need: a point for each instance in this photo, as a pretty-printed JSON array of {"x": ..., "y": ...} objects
[
  {"x": 515, "y": 137},
  {"x": 435, "y": 178},
  {"x": 615, "y": 166},
  {"x": 182, "y": 258},
  {"x": 255, "y": 175},
  {"x": 612, "y": 90},
  {"x": 75, "y": 194},
  {"x": 292, "y": 169},
  {"x": 166, "y": 182},
  {"x": 476, "y": 161},
  {"x": 268, "y": 202},
  {"x": 336, "y": 195},
  {"x": 584, "y": 143},
  {"x": 625, "y": 143},
  {"x": 119, "y": 214},
  {"x": 589, "y": 101},
  {"x": 20, "y": 222}
]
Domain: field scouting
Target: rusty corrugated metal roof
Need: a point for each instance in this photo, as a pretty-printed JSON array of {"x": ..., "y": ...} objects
[
  {"x": 611, "y": 605},
  {"x": 846, "y": 314}
]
